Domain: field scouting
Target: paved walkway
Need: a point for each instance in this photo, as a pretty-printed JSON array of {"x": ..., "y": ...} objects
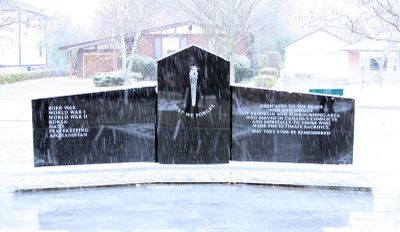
[{"x": 200, "y": 208}]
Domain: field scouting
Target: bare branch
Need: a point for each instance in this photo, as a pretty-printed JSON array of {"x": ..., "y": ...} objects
[
  {"x": 372, "y": 19},
  {"x": 8, "y": 14},
  {"x": 391, "y": 15},
  {"x": 229, "y": 22}
]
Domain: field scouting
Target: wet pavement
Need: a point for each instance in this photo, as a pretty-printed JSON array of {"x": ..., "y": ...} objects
[{"x": 201, "y": 207}]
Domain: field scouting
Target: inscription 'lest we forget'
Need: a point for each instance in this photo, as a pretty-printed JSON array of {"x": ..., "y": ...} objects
[
  {"x": 62, "y": 121},
  {"x": 292, "y": 119}
]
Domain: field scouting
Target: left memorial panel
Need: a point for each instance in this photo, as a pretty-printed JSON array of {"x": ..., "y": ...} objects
[{"x": 102, "y": 127}]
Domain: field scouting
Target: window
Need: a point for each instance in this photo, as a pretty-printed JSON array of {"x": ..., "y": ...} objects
[
  {"x": 371, "y": 61},
  {"x": 167, "y": 45},
  {"x": 373, "y": 64},
  {"x": 40, "y": 50},
  {"x": 392, "y": 64}
]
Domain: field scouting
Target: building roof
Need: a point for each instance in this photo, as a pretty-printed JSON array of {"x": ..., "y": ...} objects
[
  {"x": 373, "y": 45},
  {"x": 88, "y": 44},
  {"x": 195, "y": 46},
  {"x": 313, "y": 32},
  {"x": 26, "y": 8},
  {"x": 108, "y": 40}
]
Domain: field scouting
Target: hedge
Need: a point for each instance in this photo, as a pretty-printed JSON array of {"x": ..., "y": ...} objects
[
  {"x": 242, "y": 66},
  {"x": 108, "y": 79},
  {"x": 265, "y": 81},
  {"x": 114, "y": 78},
  {"x": 144, "y": 65},
  {"x": 34, "y": 75}
]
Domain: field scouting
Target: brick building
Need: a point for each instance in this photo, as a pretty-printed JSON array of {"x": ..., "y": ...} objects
[{"x": 102, "y": 55}]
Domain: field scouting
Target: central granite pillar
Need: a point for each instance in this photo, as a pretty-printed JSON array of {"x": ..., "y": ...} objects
[{"x": 193, "y": 117}]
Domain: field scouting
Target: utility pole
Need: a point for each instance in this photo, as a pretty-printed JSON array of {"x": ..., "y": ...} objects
[{"x": 19, "y": 36}]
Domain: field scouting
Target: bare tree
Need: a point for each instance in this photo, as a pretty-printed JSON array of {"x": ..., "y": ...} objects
[
  {"x": 372, "y": 19},
  {"x": 10, "y": 14},
  {"x": 380, "y": 20},
  {"x": 7, "y": 16},
  {"x": 227, "y": 22},
  {"x": 8, "y": 21},
  {"x": 124, "y": 20},
  {"x": 375, "y": 20},
  {"x": 16, "y": 18}
]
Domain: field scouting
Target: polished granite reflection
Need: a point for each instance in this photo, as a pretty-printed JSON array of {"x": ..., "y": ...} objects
[
  {"x": 101, "y": 127},
  {"x": 279, "y": 126},
  {"x": 193, "y": 115},
  {"x": 207, "y": 207}
]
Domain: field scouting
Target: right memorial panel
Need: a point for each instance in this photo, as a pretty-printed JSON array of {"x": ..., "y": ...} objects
[{"x": 277, "y": 126}]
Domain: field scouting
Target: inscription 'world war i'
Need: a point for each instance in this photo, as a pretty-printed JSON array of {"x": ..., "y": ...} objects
[
  {"x": 65, "y": 122},
  {"x": 101, "y": 127}
]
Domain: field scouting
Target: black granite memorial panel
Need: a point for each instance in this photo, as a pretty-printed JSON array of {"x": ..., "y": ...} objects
[
  {"x": 275, "y": 126},
  {"x": 102, "y": 127},
  {"x": 193, "y": 118}
]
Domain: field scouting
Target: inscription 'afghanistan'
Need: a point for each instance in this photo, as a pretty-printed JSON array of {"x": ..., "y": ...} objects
[{"x": 63, "y": 120}]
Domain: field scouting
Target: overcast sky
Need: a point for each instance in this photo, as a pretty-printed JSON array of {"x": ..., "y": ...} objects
[
  {"x": 84, "y": 10},
  {"x": 79, "y": 10}
]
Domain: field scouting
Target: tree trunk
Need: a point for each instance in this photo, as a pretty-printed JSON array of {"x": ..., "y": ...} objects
[
  {"x": 134, "y": 48},
  {"x": 123, "y": 55},
  {"x": 381, "y": 64},
  {"x": 121, "y": 33},
  {"x": 232, "y": 72}
]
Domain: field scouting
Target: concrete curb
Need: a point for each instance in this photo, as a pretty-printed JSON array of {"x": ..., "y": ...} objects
[{"x": 339, "y": 177}]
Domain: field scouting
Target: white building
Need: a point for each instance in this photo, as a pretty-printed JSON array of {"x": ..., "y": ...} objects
[
  {"x": 319, "y": 54},
  {"x": 374, "y": 60},
  {"x": 23, "y": 43}
]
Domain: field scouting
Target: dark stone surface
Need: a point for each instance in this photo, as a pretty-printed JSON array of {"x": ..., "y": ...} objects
[
  {"x": 102, "y": 127},
  {"x": 198, "y": 131},
  {"x": 275, "y": 126}
]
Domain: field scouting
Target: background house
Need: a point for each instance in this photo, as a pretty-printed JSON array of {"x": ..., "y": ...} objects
[
  {"x": 102, "y": 55},
  {"x": 318, "y": 54},
  {"x": 92, "y": 57},
  {"x": 23, "y": 43},
  {"x": 161, "y": 41},
  {"x": 374, "y": 60},
  {"x": 323, "y": 55}
]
